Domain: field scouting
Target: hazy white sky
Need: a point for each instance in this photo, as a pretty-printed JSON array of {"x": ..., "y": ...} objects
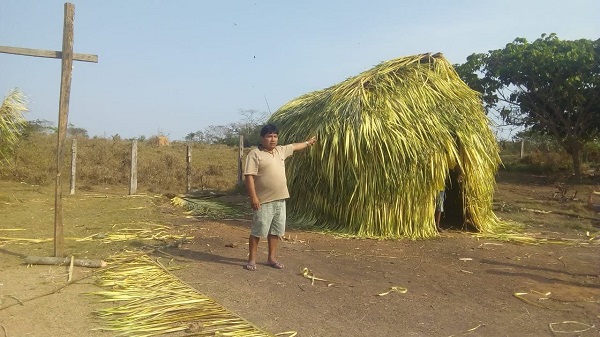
[{"x": 176, "y": 67}]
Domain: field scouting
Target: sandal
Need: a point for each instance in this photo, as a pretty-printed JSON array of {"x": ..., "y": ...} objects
[
  {"x": 275, "y": 265},
  {"x": 250, "y": 266}
]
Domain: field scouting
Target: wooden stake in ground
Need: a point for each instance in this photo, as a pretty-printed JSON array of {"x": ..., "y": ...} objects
[
  {"x": 240, "y": 176},
  {"x": 188, "y": 162},
  {"x": 71, "y": 269},
  {"x": 133, "y": 176},
  {"x": 67, "y": 58},
  {"x": 73, "y": 165}
]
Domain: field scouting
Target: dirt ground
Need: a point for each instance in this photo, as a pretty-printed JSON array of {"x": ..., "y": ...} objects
[{"x": 456, "y": 285}]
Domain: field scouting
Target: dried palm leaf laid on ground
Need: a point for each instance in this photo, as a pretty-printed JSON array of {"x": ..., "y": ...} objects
[
  {"x": 387, "y": 141},
  {"x": 152, "y": 301},
  {"x": 150, "y": 232}
]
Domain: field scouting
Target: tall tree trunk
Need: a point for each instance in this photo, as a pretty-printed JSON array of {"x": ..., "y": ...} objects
[
  {"x": 577, "y": 164},
  {"x": 574, "y": 148}
]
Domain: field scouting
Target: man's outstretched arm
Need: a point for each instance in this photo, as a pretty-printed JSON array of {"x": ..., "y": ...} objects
[{"x": 304, "y": 145}]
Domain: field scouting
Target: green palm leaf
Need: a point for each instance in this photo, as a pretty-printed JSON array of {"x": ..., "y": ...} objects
[{"x": 387, "y": 140}]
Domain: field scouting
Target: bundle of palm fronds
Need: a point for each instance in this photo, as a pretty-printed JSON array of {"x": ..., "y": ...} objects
[
  {"x": 388, "y": 139},
  {"x": 154, "y": 302},
  {"x": 208, "y": 207},
  {"x": 11, "y": 121}
]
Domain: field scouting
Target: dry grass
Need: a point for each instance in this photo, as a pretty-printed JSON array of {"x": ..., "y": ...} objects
[
  {"x": 94, "y": 223},
  {"x": 539, "y": 206},
  {"x": 107, "y": 162}
]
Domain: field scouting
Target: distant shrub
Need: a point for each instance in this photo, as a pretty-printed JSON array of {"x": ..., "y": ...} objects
[
  {"x": 33, "y": 160},
  {"x": 103, "y": 161},
  {"x": 548, "y": 162},
  {"x": 591, "y": 152},
  {"x": 539, "y": 160}
]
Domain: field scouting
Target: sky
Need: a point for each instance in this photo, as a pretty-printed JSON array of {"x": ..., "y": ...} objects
[{"x": 176, "y": 67}]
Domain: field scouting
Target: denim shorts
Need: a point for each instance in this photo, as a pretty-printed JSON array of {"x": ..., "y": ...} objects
[{"x": 269, "y": 219}]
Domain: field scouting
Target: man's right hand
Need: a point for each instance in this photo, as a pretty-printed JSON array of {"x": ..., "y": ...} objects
[{"x": 255, "y": 203}]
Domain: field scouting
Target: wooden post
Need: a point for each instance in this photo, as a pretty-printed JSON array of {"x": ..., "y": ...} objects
[
  {"x": 63, "y": 116},
  {"x": 67, "y": 57},
  {"x": 73, "y": 164},
  {"x": 522, "y": 148},
  {"x": 240, "y": 157},
  {"x": 133, "y": 180},
  {"x": 188, "y": 162}
]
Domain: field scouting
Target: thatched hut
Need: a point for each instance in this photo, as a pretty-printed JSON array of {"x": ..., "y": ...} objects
[{"x": 389, "y": 140}]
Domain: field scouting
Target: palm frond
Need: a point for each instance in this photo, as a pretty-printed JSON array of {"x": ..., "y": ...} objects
[
  {"x": 12, "y": 121},
  {"x": 205, "y": 207},
  {"x": 387, "y": 140},
  {"x": 153, "y": 302}
]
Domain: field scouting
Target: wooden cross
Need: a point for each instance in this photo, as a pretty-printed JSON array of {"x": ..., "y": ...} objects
[{"x": 67, "y": 57}]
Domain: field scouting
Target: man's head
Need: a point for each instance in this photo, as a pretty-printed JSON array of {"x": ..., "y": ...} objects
[
  {"x": 269, "y": 136},
  {"x": 269, "y": 128}
]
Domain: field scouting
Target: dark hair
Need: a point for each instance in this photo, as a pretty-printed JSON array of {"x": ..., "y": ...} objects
[{"x": 269, "y": 128}]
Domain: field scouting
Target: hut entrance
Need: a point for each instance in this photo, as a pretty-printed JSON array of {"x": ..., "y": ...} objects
[{"x": 454, "y": 216}]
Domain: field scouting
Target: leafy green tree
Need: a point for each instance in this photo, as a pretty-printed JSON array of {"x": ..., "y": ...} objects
[
  {"x": 39, "y": 126},
  {"x": 190, "y": 137},
  {"x": 549, "y": 86}
]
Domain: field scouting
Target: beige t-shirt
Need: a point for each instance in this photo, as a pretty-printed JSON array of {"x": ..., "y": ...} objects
[{"x": 268, "y": 170}]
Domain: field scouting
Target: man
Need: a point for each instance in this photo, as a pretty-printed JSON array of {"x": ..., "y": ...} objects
[{"x": 267, "y": 188}]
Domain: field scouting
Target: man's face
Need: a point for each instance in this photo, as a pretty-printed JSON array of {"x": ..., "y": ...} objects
[{"x": 269, "y": 141}]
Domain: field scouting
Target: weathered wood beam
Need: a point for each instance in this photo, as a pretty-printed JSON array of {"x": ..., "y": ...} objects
[
  {"x": 47, "y": 53},
  {"x": 52, "y": 260}
]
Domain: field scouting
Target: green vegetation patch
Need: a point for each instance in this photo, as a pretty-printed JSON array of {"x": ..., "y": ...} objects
[{"x": 210, "y": 207}]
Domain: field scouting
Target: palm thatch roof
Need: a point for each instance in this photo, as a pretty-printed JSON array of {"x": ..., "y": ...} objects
[
  {"x": 388, "y": 140},
  {"x": 12, "y": 121}
]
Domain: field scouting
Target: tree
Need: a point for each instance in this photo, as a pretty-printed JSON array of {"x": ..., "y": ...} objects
[
  {"x": 74, "y": 132},
  {"x": 250, "y": 126},
  {"x": 229, "y": 134},
  {"x": 550, "y": 86},
  {"x": 12, "y": 122},
  {"x": 190, "y": 137},
  {"x": 39, "y": 126}
]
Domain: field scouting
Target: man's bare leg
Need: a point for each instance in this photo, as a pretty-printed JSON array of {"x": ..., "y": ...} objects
[
  {"x": 252, "y": 248},
  {"x": 273, "y": 240}
]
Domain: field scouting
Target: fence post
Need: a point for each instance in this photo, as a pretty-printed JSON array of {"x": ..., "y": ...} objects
[
  {"x": 240, "y": 157},
  {"x": 73, "y": 164},
  {"x": 522, "y": 148},
  {"x": 188, "y": 162},
  {"x": 133, "y": 180}
]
